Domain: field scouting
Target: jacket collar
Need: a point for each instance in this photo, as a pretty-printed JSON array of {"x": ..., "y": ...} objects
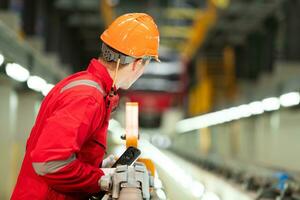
[{"x": 99, "y": 70}]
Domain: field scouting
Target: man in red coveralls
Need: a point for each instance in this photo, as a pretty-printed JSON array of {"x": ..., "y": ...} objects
[{"x": 68, "y": 141}]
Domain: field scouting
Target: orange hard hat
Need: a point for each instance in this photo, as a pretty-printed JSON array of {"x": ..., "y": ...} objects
[{"x": 133, "y": 34}]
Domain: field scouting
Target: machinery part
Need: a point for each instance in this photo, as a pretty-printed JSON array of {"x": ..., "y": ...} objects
[
  {"x": 132, "y": 124},
  {"x": 128, "y": 157},
  {"x": 133, "y": 34},
  {"x": 135, "y": 177},
  {"x": 149, "y": 165},
  {"x": 132, "y": 132},
  {"x": 130, "y": 193}
]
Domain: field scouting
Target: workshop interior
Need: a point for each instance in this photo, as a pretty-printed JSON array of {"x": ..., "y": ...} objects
[{"x": 218, "y": 118}]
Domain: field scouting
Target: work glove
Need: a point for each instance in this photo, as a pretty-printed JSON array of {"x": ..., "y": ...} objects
[
  {"x": 105, "y": 182},
  {"x": 109, "y": 161}
]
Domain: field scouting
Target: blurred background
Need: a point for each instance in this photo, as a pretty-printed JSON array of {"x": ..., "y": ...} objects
[{"x": 219, "y": 116}]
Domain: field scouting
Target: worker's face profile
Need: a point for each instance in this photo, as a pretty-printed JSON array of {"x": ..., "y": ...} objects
[{"x": 134, "y": 71}]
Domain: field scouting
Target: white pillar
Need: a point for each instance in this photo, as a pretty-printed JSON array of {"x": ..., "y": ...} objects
[
  {"x": 28, "y": 106},
  {"x": 8, "y": 107}
]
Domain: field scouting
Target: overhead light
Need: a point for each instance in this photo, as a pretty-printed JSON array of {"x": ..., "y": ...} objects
[
  {"x": 235, "y": 113},
  {"x": 232, "y": 113},
  {"x": 271, "y": 104},
  {"x": 17, "y": 72},
  {"x": 221, "y": 116},
  {"x": 189, "y": 124},
  {"x": 290, "y": 99},
  {"x": 47, "y": 89},
  {"x": 244, "y": 110},
  {"x": 256, "y": 107},
  {"x": 209, "y": 119},
  {"x": 36, "y": 83},
  {"x": 1, "y": 59}
]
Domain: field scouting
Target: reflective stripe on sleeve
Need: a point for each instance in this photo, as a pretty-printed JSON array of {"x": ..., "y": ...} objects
[
  {"x": 43, "y": 168},
  {"x": 83, "y": 82}
]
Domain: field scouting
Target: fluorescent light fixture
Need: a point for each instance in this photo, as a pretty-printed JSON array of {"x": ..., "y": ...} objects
[
  {"x": 1, "y": 59},
  {"x": 290, "y": 99},
  {"x": 244, "y": 110},
  {"x": 235, "y": 113},
  {"x": 271, "y": 104},
  {"x": 190, "y": 124},
  {"x": 209, "y": 119},
  {"x": 17, "y": 72},
  {"x": 47, "y": 89},
  {"x": 232, "y": 113},
  {"x": 256, "y": 107},
  {"x": 218, "y": 117},
  {"x": 36, "y": 83},
  {"x": 214, "y": 118}
]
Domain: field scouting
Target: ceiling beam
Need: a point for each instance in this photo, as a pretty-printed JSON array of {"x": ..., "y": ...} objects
[
  {"x": 85, "y": 20},
  {"x": 87, "y": 5}
]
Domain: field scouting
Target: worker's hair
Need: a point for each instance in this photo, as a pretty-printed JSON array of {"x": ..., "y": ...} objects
[{"x": 111, "y": 63}]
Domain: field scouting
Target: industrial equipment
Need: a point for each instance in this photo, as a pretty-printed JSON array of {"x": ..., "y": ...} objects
[{"x": 129, "y": 180}]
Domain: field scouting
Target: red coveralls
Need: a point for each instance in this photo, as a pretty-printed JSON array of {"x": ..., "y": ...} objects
[{"x": 74, "y": 122}]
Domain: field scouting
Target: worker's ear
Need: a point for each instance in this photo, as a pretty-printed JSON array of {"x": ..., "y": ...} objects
[{"x": 136, "y": 63}]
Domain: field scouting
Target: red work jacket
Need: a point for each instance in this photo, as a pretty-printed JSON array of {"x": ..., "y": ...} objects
[{"x": 74, "y": 121}]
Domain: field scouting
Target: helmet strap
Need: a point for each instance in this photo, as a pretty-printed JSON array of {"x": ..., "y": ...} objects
[
  {"x": 134, "y": 65},
  {"x": 116, "y": 73}
]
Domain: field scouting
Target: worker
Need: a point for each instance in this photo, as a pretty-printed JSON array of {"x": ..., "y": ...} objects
[{"x": 67, "y": 143}]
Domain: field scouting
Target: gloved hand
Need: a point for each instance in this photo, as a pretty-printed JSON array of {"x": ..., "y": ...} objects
[
  {"x": 108, "y": 162},
  {"x": 105, "y": 182}
]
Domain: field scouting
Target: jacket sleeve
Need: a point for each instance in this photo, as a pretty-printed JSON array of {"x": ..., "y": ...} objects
[{"x": 63, "y": 135}]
